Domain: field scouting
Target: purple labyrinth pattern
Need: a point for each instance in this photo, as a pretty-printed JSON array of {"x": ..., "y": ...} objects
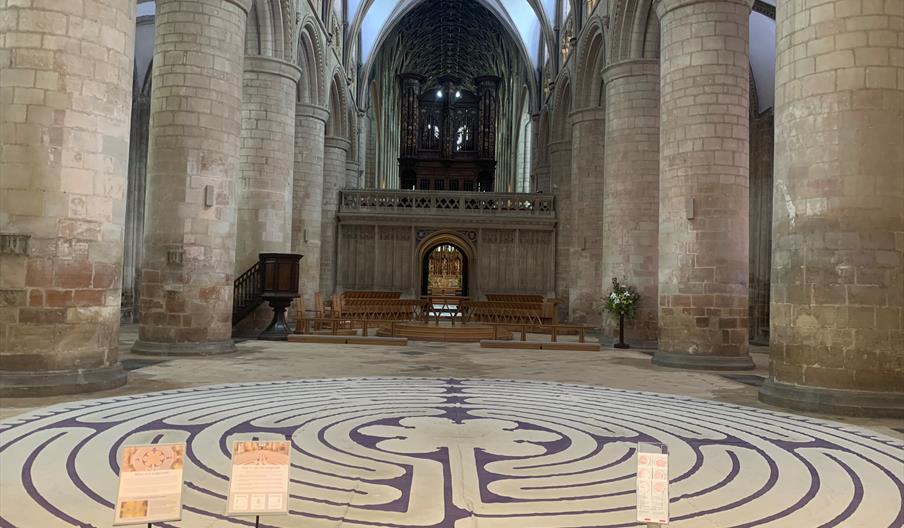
[{"x": 457, "y": 453}]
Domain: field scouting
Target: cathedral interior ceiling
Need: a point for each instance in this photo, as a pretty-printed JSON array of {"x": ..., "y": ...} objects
[{"x": 459, "y": 38}]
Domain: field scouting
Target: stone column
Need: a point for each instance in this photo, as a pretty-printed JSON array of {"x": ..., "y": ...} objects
[
  {"x": 187, "y": 276},
  {"x": 307, "y": 196},
  {"x": 352, "y": 179},
  {"x": 586, "y": 284},
  {"x": 631, "y": 191},
  {"x": 335, "y": 151},
  {"x": 837, "y": 338},
  {"x": 264, "y": 221},
  {"x": 560, "y": 186},
  {"x": 65, "y": 101},
  {"x": 704, "y": 171}
]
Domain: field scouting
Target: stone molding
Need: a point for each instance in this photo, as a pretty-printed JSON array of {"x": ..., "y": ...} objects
[
  {"x": 703, "y": 362},
  {"x": 208, "y": 348},
  {"x": 630, "y": 68},
  {"x": 272, "y": 66},
  {"x": 560, "y": 145},
  {"x": 55, "y": 383},
  {"x": 337, "y": 142},
  {"x": 582, "y": 115},
  {"x": 833, "y": 401},
  {"x": 666, "y": 6},
  {"x": 244, "y": 5},
  {"x": 313, "y": 111}
]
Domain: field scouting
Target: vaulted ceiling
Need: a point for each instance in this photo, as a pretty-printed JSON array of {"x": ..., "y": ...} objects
[
  {"x": 529, "y": 21},
  {"x": 458, "y": 38}
]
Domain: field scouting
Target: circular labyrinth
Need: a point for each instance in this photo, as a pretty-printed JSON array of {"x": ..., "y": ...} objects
[{"x": 396, "y": 452}]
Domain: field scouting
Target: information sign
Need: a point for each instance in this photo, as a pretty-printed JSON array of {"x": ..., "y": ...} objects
[
  {"x": 652, "y": 487},
  {"x": 150, "y": 484},
  {"x": 260, "y": 478}
]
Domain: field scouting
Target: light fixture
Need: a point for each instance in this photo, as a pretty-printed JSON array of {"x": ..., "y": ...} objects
[
  {"x": 439, "y": 94},
  {"x": 457, "y": 94}
]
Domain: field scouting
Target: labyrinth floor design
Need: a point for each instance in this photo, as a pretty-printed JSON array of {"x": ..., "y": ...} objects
[{"x": 407, "y": 452}]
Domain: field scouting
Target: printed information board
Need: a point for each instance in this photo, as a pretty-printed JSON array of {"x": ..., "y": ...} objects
[
  {"x": 260, "y": 478},
  {"x": 150, "y": 484},
  {"x": 652, "y": 487}
]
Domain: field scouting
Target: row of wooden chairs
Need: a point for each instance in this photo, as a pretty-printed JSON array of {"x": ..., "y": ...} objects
[{"x": 531, "y": 310}]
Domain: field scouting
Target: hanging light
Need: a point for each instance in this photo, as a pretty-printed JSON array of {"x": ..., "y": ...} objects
[
  {"x": 439, "y": 94},
  {"x": 458, "y": 94}
]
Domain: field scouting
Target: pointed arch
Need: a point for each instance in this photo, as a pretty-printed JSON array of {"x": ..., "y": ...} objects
[{"x": 310, "y": 56}]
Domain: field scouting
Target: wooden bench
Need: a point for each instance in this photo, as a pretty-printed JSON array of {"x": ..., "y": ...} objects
[{"x": 542, "y": 312}]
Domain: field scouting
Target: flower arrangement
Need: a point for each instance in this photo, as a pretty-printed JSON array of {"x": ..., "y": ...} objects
[{"x": 622, "y": 300}]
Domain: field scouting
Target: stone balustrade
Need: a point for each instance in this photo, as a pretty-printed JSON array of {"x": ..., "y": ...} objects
[{"x": 444, "y": 202}]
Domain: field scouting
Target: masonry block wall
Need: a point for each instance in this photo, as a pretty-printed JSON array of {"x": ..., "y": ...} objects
[
  {"x": 193, "y": 168},
  {"x": 837, "y": 336},
  {"x": 65, "y": 100},
  {"x": 307, "y": 196},
  {"x": 335, "y": 153},
  {"x": 268, "y": 150},
  {"x": 587, "y": 157},
  {"x": 704, "y": 178},
  {"x": 560, "y": 184},
  {"x": 631, "y": 191}
]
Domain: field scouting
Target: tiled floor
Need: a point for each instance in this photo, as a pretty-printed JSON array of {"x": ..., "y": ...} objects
[{"x": 454, "y": 436}]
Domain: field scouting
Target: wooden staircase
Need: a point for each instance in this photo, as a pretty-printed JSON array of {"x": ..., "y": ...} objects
[
  {"x": 273, "y": 278},
  {"x": 247, "y": 293}
]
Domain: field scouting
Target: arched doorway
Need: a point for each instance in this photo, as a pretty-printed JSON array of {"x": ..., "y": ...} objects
[{"x": 444, "y": 270}]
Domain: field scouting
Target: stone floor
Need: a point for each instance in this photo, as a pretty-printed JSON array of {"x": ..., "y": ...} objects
[{"x": 454, "y": 436}]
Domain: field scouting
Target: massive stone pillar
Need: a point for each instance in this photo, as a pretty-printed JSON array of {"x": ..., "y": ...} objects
[
  {"x": 586, "y": 284},
  {"x": 307, "y": 196},
  {"x": 264, "y": 221},
  {"x": 837, "y": 335},
  {"x": 193, "y": 168},
  {"x": 65, "y": 100},
  {"x": 560, "y": 186},
  {"x": 268, "y": 149},
  {"x": 335, "y": 151},
  {"x": 704, "y": 171},
  {"x": 631, "y": 191}
]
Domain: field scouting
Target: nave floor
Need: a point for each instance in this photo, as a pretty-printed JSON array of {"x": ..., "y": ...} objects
[{"x": 454, "y": 436}]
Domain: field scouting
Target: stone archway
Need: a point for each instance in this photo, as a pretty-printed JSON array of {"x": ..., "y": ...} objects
[{"x": 446, "y": 238}]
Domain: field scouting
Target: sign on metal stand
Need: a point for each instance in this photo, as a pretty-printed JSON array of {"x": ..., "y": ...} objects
[{"x": 653, "y": 484}]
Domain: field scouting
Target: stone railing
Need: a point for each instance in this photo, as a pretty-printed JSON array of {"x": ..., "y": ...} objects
[{"x": 447, "y": 202}]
